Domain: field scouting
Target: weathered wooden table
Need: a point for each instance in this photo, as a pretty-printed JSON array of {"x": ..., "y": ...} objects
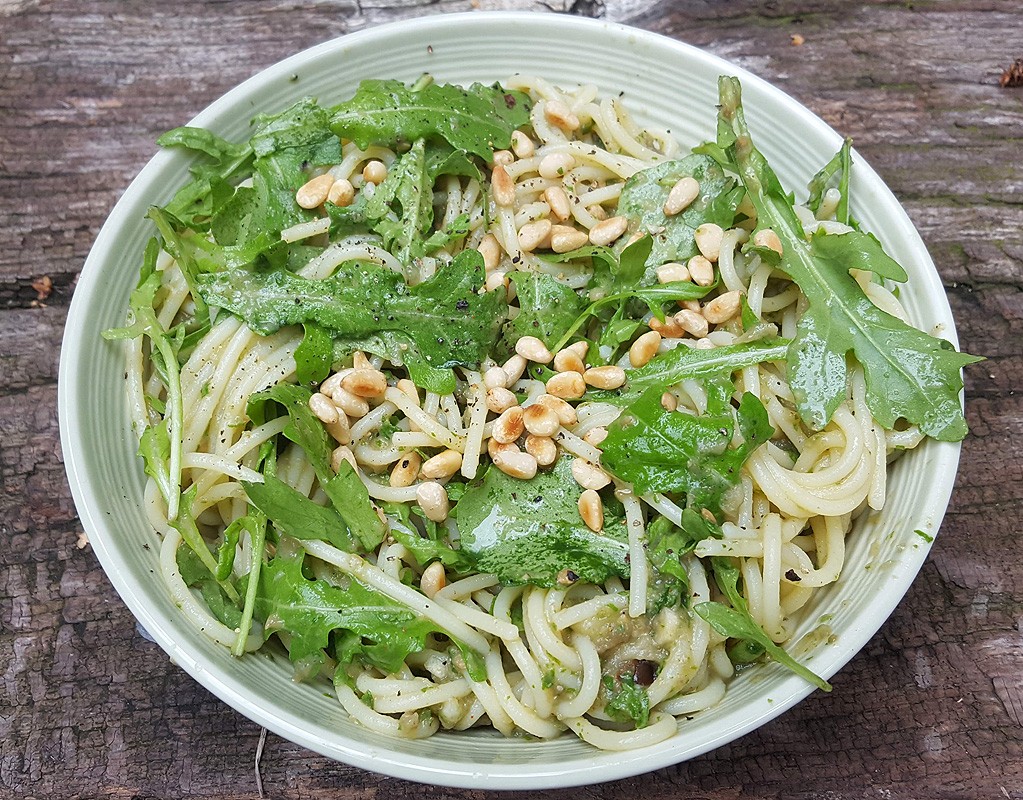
[{"x": 932, "y": 707}]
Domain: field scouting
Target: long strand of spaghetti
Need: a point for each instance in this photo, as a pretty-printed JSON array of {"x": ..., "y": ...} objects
[
  {"x": 426, "y": 424},
  {"x": 576, "y": 446},
  {"x": 523, "y": 717},
  {"x": 578, "y": 704},
  {"x": 533, "y": 608},
  {"x": 587, "y": 609},
  {"x": 363, "y": 714},
  {"x": 410, "y": 440},
  {"x": 488, "y": 698},
  {"x": 690, "y": 703},
  {"x": 452, "y": 414},
  {"x": 224, "y": 466},
  {"x": 376, "y": 579},
  {"x": 373, "y": 420},
  {"x": 638, "y": 568},
  {"x": 478, "y": 619},
  {"x": 663, "y": 506},
  {"x": 660, "y": 727},
  {"x": 477, "y": 421},
  {"x": 540, "y": 698},
  {"x": 467, "y": 586},
  {"x": 422, "y": 698},
  {"x": 771, "y": 603}
]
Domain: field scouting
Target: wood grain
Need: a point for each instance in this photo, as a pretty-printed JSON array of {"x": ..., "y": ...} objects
[{"x": 931, "y": 708}]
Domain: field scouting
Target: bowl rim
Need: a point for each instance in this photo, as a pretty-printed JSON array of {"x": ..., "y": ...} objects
[{"x": 603, "y": 766}]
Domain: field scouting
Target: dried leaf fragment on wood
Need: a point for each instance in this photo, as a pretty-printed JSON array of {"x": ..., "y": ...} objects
[
  {"x": 1013, "y": 76},
  {"x": 797, "y": 39},
  {"x": 43, "y": 286}
]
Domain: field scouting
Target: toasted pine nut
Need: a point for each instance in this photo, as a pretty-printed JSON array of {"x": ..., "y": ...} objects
[
  {"x": 565, "y": 411},
  {"x": 692, "y": 322},
  {"x": 532, "y": 349},
  {"x": 442, "y": 465},
  {"x": 559, "y": 114},
  {"x": 500, "y": 399},
  {"x": 681, "y": 196},
  {"x": 359, "y": 361},
  {"x": 502, "y": 186},
  {"x": 723, "y": 307},
  {"x": 766, "y": 237},
  {"x": 374, "y": 171},
  {"x": 522, "y": 145},
  {"x": 579, "y": 348},
  {"x": 406, "y": 469},
  {"x": 608, "y": 377},
  {"x": 608, "y": 230},
  {"x": 353, "y": 406},
  {"x": 588, "y": 475},
  {"x": 490, "y": 249},
  {"x": 509, "y": 426},
  {"x": 409, "y": 389},
  {"x": 567, "y": 385},
  {"x": 595, "y": 436},
  {"x": 516, "y": 464},
  {"x": 669, "y": 329},
  {"x": 333, "y": 383},
  {"x": 540, "y": 420},
  {"x": 672, "y": 272},
  {"x": 433, "y": 579},
  {"x": 340, "y": 454},
  {"x": 495, "y": 377},
  {"x": 708, "y": 240},
  {"x": 569, "y": 361},
  {"x": 534, "y": 234},
  {"x": 341, "y": 193},
  {"x": 669, "y": 402},
  {"x": 591, "y": 509},
  {"x": 503, "y": 157},
  {"x": 555, "y": 165},
  {"x": 340, "y": 430},
  {"x": 557, "y": 199},
  {"x": 542, "y": 448},
  {"x": 314, "y": 191},
  {"x": 494, "y": 447},
  {"x": 701, "y": 271},
  {"x": 565, "y": 238},
  {"x": 324, "y": 408},
  {"x": 692, "y": 305},
  {"x": 496, "y": 280},
  {"x": 433, "y": 499},
  {"x": 704, "y": 344},
  {"x": 644, "y": 348},
  {"x": 514, "y": 366},
  {"x": 597, "y": 211},
  {"x": 365, "y": 382}
]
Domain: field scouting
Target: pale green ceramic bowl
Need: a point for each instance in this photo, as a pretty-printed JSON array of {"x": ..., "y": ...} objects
[{"x": 665, "y": 83}]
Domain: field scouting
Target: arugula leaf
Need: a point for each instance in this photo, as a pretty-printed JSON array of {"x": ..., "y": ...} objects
[
  {"x": 547, "y": 309},
  {"x": 196, "y": 575},
  {"x": 408, "y": 190},
  {"x": 314, "y": 356},
  {"x": 629, "y": 702},
  {"x": 528, "y": 531},
  {"x": 909, "y": 374},
  {"x": 356, "y": 507},
  {"x": 186, "y": 526},
  {"x": 668, "y": 451},
  {"x": 442, "y": 322},
  {"x": 428, "y": 550},
  {"x": 310, "y": 610},
  {"x": 478, "y": 120},
  {"x": 295, "y": 515},
  {"x": 840, "y": 164},
  {"x": 673, "y": 239},
  {"x": 738, "y": 625},
  {"x": 666, "y": 545}
]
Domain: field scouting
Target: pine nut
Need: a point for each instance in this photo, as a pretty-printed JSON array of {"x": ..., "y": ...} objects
[
  {"x": 708, "y": 240},
  {"x": 409, "y": 389},
  {"x": 596, "y": 436},
  {"x": 565, "y": 411},
  {"x": 557, "y": 199},
  {"x": 503, "y": 157},
  {"x": 495, "y": 377},
  {"x": 359, "y": 361},
  {"x": 672, "y": 272},
  {"x": 608, "y": 377},
  {"x": 374, "y": 172},
  {"x": 644, "y": 348},
  {"x": 509, "y": 426},
  {"x": 433, "y": 579},
  {"x": 333, "y": 383},
  {"x": 496, "y": 280},
  {"x": 692, "y": 322},
  {"x": 579, "y": 348},
  {"x": 704, "y": 344},
  {"x": 365, "y": 382},
  {"x": 342, "y": 193},
  {"x": 597, "y": 212},
  {"x": 692, "y": 305},
  {"x": 494, "y": 447},
  {"x": 669, "y": 329},
  {"x": 681, "y": 196},
  {"x": 340, "y": 430},
  {"x": 433, "y": 499},
  {"x": 533, "y": 234},
  {"x": 701, "y": 271},
  {"x": 323, "y": 408},
  {"x": 766, "y": 237},
  {"x": 559, "y": 114},
  {"x": 591, "y": 509},
  {"x": 340, "y": 454},
  {"x": 516, "y": 464},
  {"x": 555, "y": 165},
  {"x": 723, "y": 307},
  {"x": 406, "y": 469},
  {"x": 502, "y": 186},
  {"x": 532, "y": 349},
  {"x": 540, "y": 420},
  {"x": 567, "y": 386},
  {"x": 569, "y": 361},
  {"x": 542, "y": 448},
  {"x": 353, "y": 406},
  {"x": 313, "y": 192},
  {"x": 442, "y": 465},
  {"x": 608, "y": 230},
  {"x": 565, "y": 238},
  {"x": 500, "y": 399},
  {"x": 490, "y": 249},
  {"x": 669, "y": 402},
  {"x": 514, "y": 366},
  {"x": 522, "y": 145},
  {"x": 588, "y": 475}
]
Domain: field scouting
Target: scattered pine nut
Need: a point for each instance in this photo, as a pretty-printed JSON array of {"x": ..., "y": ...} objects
[
  {"x": 541, "y": 420},
  {"x": 555, "y": 165},
  {"x": 542, "y": 448},
  {"x": 522, "y": 145},
  {"x": 359, "y": 361},
  {"x": 433, "y": 499},
  {"x": 701, "y": 270},
  {"x": 352, "y": 405},
  {"x": 708, "y": 241},
  {"x": 669, "y": 402},
  {"x": 514, "y": 366},
  {"x": 534, "y": 234},
  {"x": 692, "y": 322},
  {"x": 500, "y": 399},
  {"x": 608, "y": 230},
  {"x": 672, "y": 272},
  {"x": 596, "y": 436},
  {"x": 409, "y": 389},
  {"x": 532, "y": 349},
  {"x": 557, "y": 199},
  {"x": 607, "y": 377},
  {"x": 565, "y": 411},
  {"x": 567, "y": 385},
  {"x": 495, "y": 377},
  {"x": 669, "y": 329},
  {"x": 490, "y": 249},
  {"x": 723, "y": 307},
  {"x": 569, "y": 361},
  {"x": 341, "y": 193},
  {"x": 644, "y": 348},
  {"x": 323, "y": 408},
  {"x": 560, "y": 115},
  {"x": 496, "y": 280},
  {"x": 406, "y": 469},
  {"x": 681, "y": 196},
  {"x": 503, "y": 157},
  {"x": 494, "y": 447},
  {"x": 340, "y": 454},
  {"x": 314, "y": 192},
  {"x": 591, "y": 509},
  {"x": 516, "y": 464},
  {"x": 502, "y": 186},
  {"x": 588, "y": 475},
  {"x": 509, "y": 426},
  {"x": 565, "y": 238},
  {"x": 443, "y": 465},
  {"x": 374, "y": 172},
  {"x": 340, "y": 430},
  {"x": 433, "y": 579},
  {"x": 365, "y": 382},
  {"x": 766, "y": 237}
]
